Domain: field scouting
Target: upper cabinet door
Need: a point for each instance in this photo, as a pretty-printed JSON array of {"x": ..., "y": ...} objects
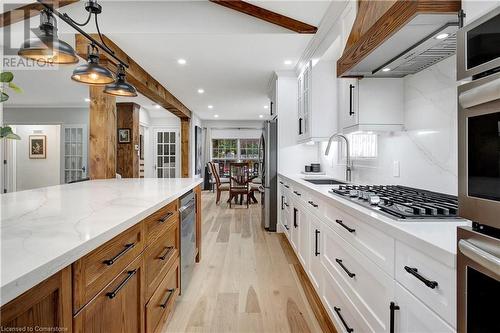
[{"x": 348, "y": 100}]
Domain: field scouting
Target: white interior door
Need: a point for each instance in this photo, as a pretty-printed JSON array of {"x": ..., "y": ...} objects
[
  {"x": 166, "y": 153},
  {"x": 75, "y": 152}
]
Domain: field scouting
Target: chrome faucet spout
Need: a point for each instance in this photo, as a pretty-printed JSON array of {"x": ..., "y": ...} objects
[{"x": 348, "y": 168}]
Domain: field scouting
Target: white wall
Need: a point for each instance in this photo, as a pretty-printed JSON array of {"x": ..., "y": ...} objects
[
  {"x": 53, "y": 115},
  {"x": 427, "y": 149},
  {"x": 34, "y": 173}
]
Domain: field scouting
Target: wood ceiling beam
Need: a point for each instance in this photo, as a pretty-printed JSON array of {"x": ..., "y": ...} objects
[
  {"x": 268, "y": 16},
  {"x": 146, "y": 84},
  {"x": 27, "y": 11}
]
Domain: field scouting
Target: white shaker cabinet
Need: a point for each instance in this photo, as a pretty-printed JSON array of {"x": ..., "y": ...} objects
[{"x": 371, "y": 104}]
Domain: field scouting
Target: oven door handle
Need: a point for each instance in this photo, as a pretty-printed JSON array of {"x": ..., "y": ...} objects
[
  {"x": 484, "y": 93},
  {"x": 480, "y": 256}
]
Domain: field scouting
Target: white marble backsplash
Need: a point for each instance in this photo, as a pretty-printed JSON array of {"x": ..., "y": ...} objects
[{"x": 427, "y": 149}]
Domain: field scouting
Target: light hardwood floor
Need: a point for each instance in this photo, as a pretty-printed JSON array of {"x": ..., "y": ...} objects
[{"x": 246, "y": 281}]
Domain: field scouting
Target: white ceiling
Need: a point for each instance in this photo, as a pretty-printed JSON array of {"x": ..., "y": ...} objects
[{"x": 230, "y": 55}]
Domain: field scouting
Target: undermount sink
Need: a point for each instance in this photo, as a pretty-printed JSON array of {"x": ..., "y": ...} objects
[{"x": 324, "y": 181}]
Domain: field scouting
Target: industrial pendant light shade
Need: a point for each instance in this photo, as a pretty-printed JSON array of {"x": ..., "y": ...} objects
[
  {"x": 120, "y": 87},
  {"x": 92, "y": 73},
  {"x": 47, "y": 47}
]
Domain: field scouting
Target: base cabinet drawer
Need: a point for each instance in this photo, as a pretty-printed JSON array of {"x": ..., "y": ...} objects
[
  {"x": 159, "y": 257},
  {"x": 162, "y": 302},
  {"x": 368, "y": 287},
  {"x": 95, "y": 270},
  {"x": 118, "y": 307},
  {"x": 158, "y": 222},
  {"x": 344, "y": 314},
  {"x": 429, "y": 280},
  {"x": 412, "y": 316}
]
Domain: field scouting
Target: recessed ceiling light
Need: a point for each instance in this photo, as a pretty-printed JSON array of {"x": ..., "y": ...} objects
[
  {"x": 181, "y": 61},
  {"x": 287, "y": 62},
  {"x": 266, "y": 106},
  {"x": 442, "y": 36},
  {"x": 157, "y": 106},
  {"x": 261, "y": 116},
  {"x": 210, "y": 106},
  {"x": 387, "y": 69},
  {"x": 201, "y": 91},
  {"x": 87, "y": 99},
  {"x": 216, "y": 116}
]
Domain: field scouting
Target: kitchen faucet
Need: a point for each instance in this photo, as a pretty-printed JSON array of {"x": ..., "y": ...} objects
[{"x": 348, "y": 167}]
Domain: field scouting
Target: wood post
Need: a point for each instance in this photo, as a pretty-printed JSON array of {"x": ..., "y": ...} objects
[
  {"x": 102, "y": 134},
  {"x": 127, "y": 157},
  {"x": 185, "y": 139}
]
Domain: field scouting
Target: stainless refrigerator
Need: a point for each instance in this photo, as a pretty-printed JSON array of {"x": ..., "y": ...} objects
[{"x": 269, "y": 167}]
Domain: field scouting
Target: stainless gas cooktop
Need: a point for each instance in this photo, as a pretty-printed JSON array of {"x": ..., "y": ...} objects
[{"x": 400, "y": 202}]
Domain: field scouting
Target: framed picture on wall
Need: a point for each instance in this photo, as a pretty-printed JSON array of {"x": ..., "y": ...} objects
[
  {"x": 38, "y": 146},
  {"x": 124, "y": 135}
]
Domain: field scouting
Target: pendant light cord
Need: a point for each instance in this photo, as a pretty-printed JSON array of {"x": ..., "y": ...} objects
[
  {"x": 100, "y": 35},
  {"x": 79, "y": 24}
]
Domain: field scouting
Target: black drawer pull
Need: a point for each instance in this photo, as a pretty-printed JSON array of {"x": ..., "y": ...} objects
[
  {"x": 167, "y": 254},
  {"x": 316, "y": 241},
  {"x": 413, "y": 271},
  {"x": 295, "y": 212},
  {"x": 112, "y": 294},
  {"x": 313, "y": 204},
  {"x": 286, "y": 204},
  {"x": 281, "y": 182},
  {"x": 347, "y": 328},
  {"x": 170, "y": 293},
  {"x": 351, "y": 230},
  {"x": 286, "y": 227},
  {"x": 297, "y": 193},
  {"x": 393, "y": 307},
  {"x": 166, "y": 217},
  {"x": 351, "y": 275},
  {"x": 127, "y": 248},
  {"x": 286, "y": 186}
]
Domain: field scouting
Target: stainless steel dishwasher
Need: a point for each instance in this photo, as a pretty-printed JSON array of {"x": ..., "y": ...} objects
[{"x": 188, "y": 237}]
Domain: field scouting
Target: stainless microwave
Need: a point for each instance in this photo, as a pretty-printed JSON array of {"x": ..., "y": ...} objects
[{"x": 478, "y": 46}]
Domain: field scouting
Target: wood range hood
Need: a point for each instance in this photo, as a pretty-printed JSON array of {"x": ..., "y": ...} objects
[{"x": 399, "y": 36}]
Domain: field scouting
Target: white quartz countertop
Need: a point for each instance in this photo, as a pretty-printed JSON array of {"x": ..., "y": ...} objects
[
  {"x": 46, "y": 229},
  {"x": 436, "y": 238}
]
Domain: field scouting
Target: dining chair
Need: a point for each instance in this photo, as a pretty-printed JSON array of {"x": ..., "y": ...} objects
[
  {"x": 219, "y": 185},
  {"x": 238, "y": 182}
]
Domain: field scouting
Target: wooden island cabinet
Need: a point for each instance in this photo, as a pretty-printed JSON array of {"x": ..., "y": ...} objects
[{"x": 128, "y": 284}]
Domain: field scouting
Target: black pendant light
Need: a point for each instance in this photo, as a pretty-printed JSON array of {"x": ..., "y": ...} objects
[
  {"x": 92, "y": 73},
  {"x": 120, "y": 87},
  {"x": 47, "y": 47}
]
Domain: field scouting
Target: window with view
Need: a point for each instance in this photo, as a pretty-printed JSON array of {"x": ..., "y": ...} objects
[{"x": 249, "y": 149}]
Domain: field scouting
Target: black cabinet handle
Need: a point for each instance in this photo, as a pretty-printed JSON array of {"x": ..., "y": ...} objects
[
  {"x": 316, "y": 250},
  {"x": 300, "y": 126},
  {"x": 286, "y": 227},
  {"x": 393, "y": 307},
  {"x": 271, "y": 108},
  {"x": 351, "y": 87},
  {"x": 347, "y": 328},
  {"x": 111, "y": 261},
  {"x": 313, "y": 204},
  {"x": 351, "y": 275},
  {"x": 282, "y": 202},
  {"x": 170, "y": 293},
  {"x": 281, "y": 182},
  {"x": 286, "y": 204},
  {"x": 112, "y": 294},
  {"x": 351, "y": 230},
  {"x": 166, "y": 255},
  {"x": 286, "y": 186},
  {"x": 413, "y": 271},
  {"x": 297, "y": 193},
  {"x": 166, "y": 217},
  {"x": 295, "y": 211}
]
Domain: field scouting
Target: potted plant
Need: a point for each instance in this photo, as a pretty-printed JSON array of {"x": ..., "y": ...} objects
[{"x": 6, "y": 80}]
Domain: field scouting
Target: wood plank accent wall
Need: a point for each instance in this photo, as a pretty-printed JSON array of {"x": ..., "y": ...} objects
[
  {"x": 127, "y": 158},
  {"x": 185, "y": 149},
  {"x": 102, "y": 134},
  {"x": 367, "y": 33}
]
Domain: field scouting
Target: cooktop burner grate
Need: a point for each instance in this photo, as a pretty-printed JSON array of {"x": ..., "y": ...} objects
[{"x": 401, "y": 202}]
